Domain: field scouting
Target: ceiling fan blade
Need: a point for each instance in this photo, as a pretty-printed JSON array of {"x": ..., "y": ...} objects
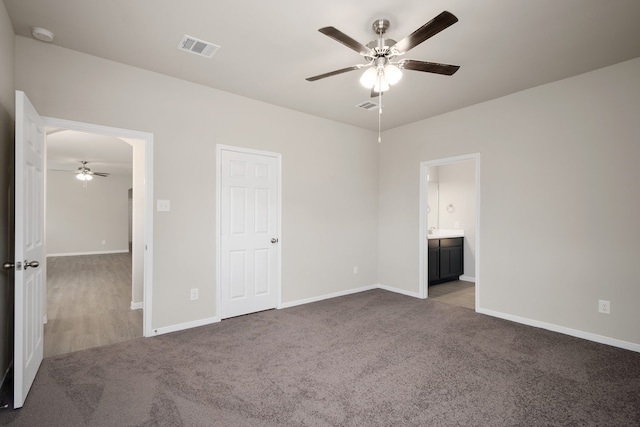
[
  {"x": 102, "y": 174},
  {"x": 430, "y": 29},
  {"x": 341, "y": 37},
  {"x": 429, "y": 67},
  {"x": 333, "y": 73}
]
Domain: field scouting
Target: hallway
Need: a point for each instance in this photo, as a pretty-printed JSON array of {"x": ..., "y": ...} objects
[{"x": 89, "y": 303}]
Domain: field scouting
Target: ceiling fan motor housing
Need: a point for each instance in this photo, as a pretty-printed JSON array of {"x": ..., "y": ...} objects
[{"x": 380, "y": 26}]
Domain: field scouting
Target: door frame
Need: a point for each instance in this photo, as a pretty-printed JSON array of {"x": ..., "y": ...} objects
[
  {"x": 424, "y": 202},
  {"x": 147, "y": 305},
  {"x": 278, "y": 156}
]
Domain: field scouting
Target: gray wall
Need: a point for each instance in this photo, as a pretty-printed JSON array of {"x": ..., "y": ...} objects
[
  {"x": 7, "y": 125},
  {"x": 79, "y": 219},
  {"x": 559, "y": 199},
  {"x": 330, "y": 195}
]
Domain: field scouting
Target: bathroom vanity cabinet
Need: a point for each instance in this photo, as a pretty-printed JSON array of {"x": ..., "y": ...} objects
[{"x": 446, "y": 260}]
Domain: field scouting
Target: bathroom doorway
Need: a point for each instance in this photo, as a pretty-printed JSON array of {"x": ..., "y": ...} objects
[{"x": 450, "y": 207}]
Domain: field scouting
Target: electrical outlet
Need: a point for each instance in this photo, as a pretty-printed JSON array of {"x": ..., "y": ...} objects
[
  {"x": 355, "y": 269},
  {"x": 194, "y": 294},
  {"x": 604, "y": 307}
]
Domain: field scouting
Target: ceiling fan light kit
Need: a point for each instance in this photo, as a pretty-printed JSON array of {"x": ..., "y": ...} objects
[
  {"x": 369, "y": 77},
  {"x": 381, "y": 77},
  {"x": 392, "y": 74}
]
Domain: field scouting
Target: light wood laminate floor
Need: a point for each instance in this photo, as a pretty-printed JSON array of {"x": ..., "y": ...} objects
[
  {"x": 89, "y": 303},
  {"x": 456, "y": 292}
]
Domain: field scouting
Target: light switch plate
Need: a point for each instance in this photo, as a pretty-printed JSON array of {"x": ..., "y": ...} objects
[{"x": 163, "y": 205}]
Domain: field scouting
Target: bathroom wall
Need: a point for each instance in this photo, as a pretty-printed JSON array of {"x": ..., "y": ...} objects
[{"x": 457, "y": 187}]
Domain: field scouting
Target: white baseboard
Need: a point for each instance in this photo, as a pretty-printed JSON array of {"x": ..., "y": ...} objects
[
  {"x": 399, "y": 291},
  {"x": 186, "y": 325},
  {"x": 517, "y": 319},
  {"x": 563, "y": 330},
  {"x": 326, "y": 296},
  {"x": 468, "y": 278},
  {"x": 119, "y": 251},
  {"x": 137, "y": 305}
]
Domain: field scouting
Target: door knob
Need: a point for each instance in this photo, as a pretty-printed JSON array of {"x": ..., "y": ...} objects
[
  {"x": 274, "y": 240},
  {"x": 32, "y": 264},
  {"x": 18, "y": 266}
]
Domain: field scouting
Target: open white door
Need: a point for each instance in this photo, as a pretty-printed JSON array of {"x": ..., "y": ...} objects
[{"x": 29, "y": 247}]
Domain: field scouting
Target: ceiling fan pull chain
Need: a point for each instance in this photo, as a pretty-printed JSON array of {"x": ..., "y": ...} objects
[{"x": 379, "y": 116}]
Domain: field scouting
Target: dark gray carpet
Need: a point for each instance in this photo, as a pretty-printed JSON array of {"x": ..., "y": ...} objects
[{"x": 374, "y": 358}]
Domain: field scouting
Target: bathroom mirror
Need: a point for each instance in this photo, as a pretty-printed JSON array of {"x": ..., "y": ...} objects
[{"x": 433, "y": 205}]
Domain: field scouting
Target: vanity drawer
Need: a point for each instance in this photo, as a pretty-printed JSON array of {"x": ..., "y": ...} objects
[
  {"x": 454, "y": 241},
  {"x": 434, "y": 243}
]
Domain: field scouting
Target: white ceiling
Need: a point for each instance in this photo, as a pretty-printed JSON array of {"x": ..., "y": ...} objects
[
  {"x": 67, "y": 148},
  {"x": 268, "y": 48}
]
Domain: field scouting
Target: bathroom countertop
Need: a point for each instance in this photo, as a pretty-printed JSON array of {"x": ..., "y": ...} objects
[{"x": 445, "y": 234}]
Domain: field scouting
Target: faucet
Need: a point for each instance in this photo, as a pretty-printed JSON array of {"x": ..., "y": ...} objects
[{"x": 430, "y": 231}]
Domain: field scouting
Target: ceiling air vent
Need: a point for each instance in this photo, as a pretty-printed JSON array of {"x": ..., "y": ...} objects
[
  {"x": 367, "y": 105},
  {"x": 197, "y": 46}
]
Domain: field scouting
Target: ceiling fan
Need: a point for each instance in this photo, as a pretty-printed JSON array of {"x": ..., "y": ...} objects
[
  {"x": 381, "y": 55},
  {"x": 85, "y": 174}
]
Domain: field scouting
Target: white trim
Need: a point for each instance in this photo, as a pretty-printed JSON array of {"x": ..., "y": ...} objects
[
  {"x": 137, "y": 305},
  {"x": 423, "y": 253},
  {"x": 123, "y": 251},
  {"x": 468, "y": 278},
  {"x": 278, "y": 157},
  {"x": 327, "y": 296},
  {"x": 563, "y": 330},
  {"x": 400, "y": 291},
  {"x": 147, "y": 137},
  {"x": 185, "y": 325},
  {"x": 147, "y": 294},
  {"x": 93, "y": 128},
  {"x": 517, "y": 319}
]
